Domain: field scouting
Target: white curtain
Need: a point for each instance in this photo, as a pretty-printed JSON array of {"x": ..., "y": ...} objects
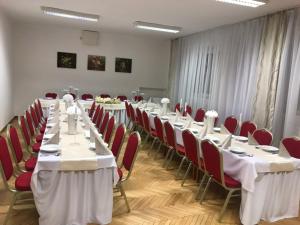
[
  {"x": 216, "y": 69},
  {"x": 286, "y": 121}
]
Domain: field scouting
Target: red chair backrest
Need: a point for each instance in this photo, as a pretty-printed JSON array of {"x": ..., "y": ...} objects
[
  {"x": 109, "y": 129},
  {"x": 95, "y": 116},
  {"x": 105, "y": 96},
  {"x": 292, "y": 145},
  {"x": 132, "y": 113},
  {"x": 15, "y": 143},
  {"x": 263, "y": 137},
  {"x": 146, "y": 121},
  {"x": 40, "y": 107},
  {"x": 138, "y": 98},
  {"x": 92, "y": 109},
  {"x": 177, "y": 107},
  {"x": 87, "y": 96},
  {"x": 170, "y": 135},
  {"x": 5, "y": 159},
  {"x": 159, "y": 128},
  {"x": 247, "y": 127},
  {"x": 139, "y": 117},
  {"x": 118, "y": 140},
  {"x": 212, "y": 159},
  {"x": 99, "y": 118},
  {"x": 34, "y": 117},
  {"x": 188, "y": 110},
  {"x": 200, "y": 114},
  {"x": 231, "y": 124},
  {"x": 191, "y": 146},
  {"x": 37, "y": 112},
  {"x": 51, "y": 95},
  {"x": 29, "y": 123},
  {"x": 127, "y": 110},
  {"x": 23, "y": 126},
  {"x": 131, "y": 150},
  {"x": 104, "y": 123},
  {"x": 122, "y": 98}
]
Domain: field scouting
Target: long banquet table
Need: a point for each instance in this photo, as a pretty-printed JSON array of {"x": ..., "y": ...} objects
[
  {"x": 270, "y": 188},
  {"x": 75, "y": 187}
]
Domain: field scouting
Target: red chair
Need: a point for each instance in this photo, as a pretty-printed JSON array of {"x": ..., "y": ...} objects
[
  {"x": 118, "y": 141},
  {"x": 109, "y": 129},
  {"x": 128, "y": 117},
  {"x": 177, "y": 107},
  {"x": 95, "y": 116},
  {"x": 22, "y": 181},
  {"x": 139, "y": 116},
  {"x": 34, "y": 117},
  {"x": 159, "y": 134},
  {"x": 122, "y": 98},
  {"x": 200, "y": 114},
  {"x": 173, "y": 147},
  {"x": 292, "y": 145},
  {"x": 44, "y": 118},
  {"x": 87, "y": 96},
  {"x": 133, "y": 117},
  {"x": 15, "y": 145},
  {"x": 51, "y": 95},
  {"x": 263, "y": 137},
  {"x": 42, "y": 123},
  {"x": 92, "y": 109},
  {"x": 35, "y": 147},
  {"x": 100, "y": 117},
  {"x": 105, "y": 96},
  {"x": 187, "y": 111},
  {"x": 129, "y": 158},
  {"x": 214, "y": 171},
  {"x": 138, "y": 98},
  {"x": 247, "y": 127},
  {"x": 37, "y": 137},
  {"x": 231, "y": 124},
  {"x": 104, "y": 123}
]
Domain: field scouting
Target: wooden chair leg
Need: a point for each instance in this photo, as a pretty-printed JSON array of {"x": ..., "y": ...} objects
[
  {"x": 186, "y": 173},
  {"x": 12, "y": 202},
  {"x": 225, "y": 205},
  {"x": 125, "y": 197},
  {"x": 205, "y": 190}
]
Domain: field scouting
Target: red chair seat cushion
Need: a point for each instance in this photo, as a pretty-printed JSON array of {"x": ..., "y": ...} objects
[
  {"x": 36, "y": 147},
  {"x": 39, "y": 138},
  {"x": 180, "y": 149},
  {"x": 22, "y": 182},
  {"x": 120, "y": 172},
  {"x": 30, "y": 164},
  {"x": 230, "y": 182}
]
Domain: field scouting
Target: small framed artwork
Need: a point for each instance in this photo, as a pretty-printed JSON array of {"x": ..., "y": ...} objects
[
  {"x": 96, "y": 62},
  {"x": 66, "y": 60},
  {"x": 123, "y": 65}
]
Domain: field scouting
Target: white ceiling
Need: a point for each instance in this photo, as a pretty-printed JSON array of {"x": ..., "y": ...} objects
[{"x": 119, "y": 15}]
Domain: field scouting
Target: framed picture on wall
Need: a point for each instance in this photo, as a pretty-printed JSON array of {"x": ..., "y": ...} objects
[
  {"x": 123, "y": 65},
  {"x": 66, "y": 60},
  {"x": 96, "y": 62}
]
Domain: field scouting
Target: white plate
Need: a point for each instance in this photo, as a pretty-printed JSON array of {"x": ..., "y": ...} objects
[
  {"x": 164, "y": 117},
  {"x": 48, "y": 136},
  {"x": 87, "y": 134},
  {"x": 212, "y": 138},
  {"x": 240, "y": 138},
  {"x": 199, "y": 123},
  {"x": 268, "y": 148},
  {"x": 194, "y": 130},
  {"x": 217, "y": 129},
  {"x": 236, "y": 150},
  {"x": 89, "y": 99},
  {"x": 50, "y": 125},
  {"x": 154, "y": 113},
  {"x": 172, "y": 113},
  {"x": 178, "y": 124},
  {"x": 49, "y": 148}
]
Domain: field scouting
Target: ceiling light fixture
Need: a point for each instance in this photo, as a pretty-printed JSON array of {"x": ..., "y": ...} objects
[
  {"x": 157, "y": 27},
  {"x": 69, "y": 14},
  {"x": 249, "y": 3}
]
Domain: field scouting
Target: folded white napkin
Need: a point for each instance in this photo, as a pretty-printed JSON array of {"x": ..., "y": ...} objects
[
  {"x": 101, "y": 147},
  {"x": 224, "y": 130},
  {"x": 203, "y": 132},
  {"x": 53, "y": 140},
  {"x": 251, "y": 140},
  {"x": 283, "y": 152},
  {"x": 227, "y": 142}
]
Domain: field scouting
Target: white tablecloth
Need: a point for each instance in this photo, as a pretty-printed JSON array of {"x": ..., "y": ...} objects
[
  {"x": 74, "y": 197},
  {"x": 265, "y": 195}
]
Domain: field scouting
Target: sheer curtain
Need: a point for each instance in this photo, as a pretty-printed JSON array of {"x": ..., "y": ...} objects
[
  {"x": 285, "y": 115},
  {"x": 216, "y": 69}
]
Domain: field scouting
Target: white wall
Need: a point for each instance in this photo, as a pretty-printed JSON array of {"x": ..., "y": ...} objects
[
  {"x": 35, "y": 55},
  {"x": 6, "y": 113}
]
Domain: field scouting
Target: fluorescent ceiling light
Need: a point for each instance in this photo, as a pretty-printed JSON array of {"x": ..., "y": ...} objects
[
  {"x": 157, "y": 27},
  {"x": 69, "y": 14},
  {"x": 249, "y": 3}
]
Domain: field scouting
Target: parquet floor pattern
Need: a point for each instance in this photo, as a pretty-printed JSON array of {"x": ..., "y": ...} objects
[{"x": 155, "y": 198}]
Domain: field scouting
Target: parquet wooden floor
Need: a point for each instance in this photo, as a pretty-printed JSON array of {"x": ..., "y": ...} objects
[{"x": 156, "y": 198}]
